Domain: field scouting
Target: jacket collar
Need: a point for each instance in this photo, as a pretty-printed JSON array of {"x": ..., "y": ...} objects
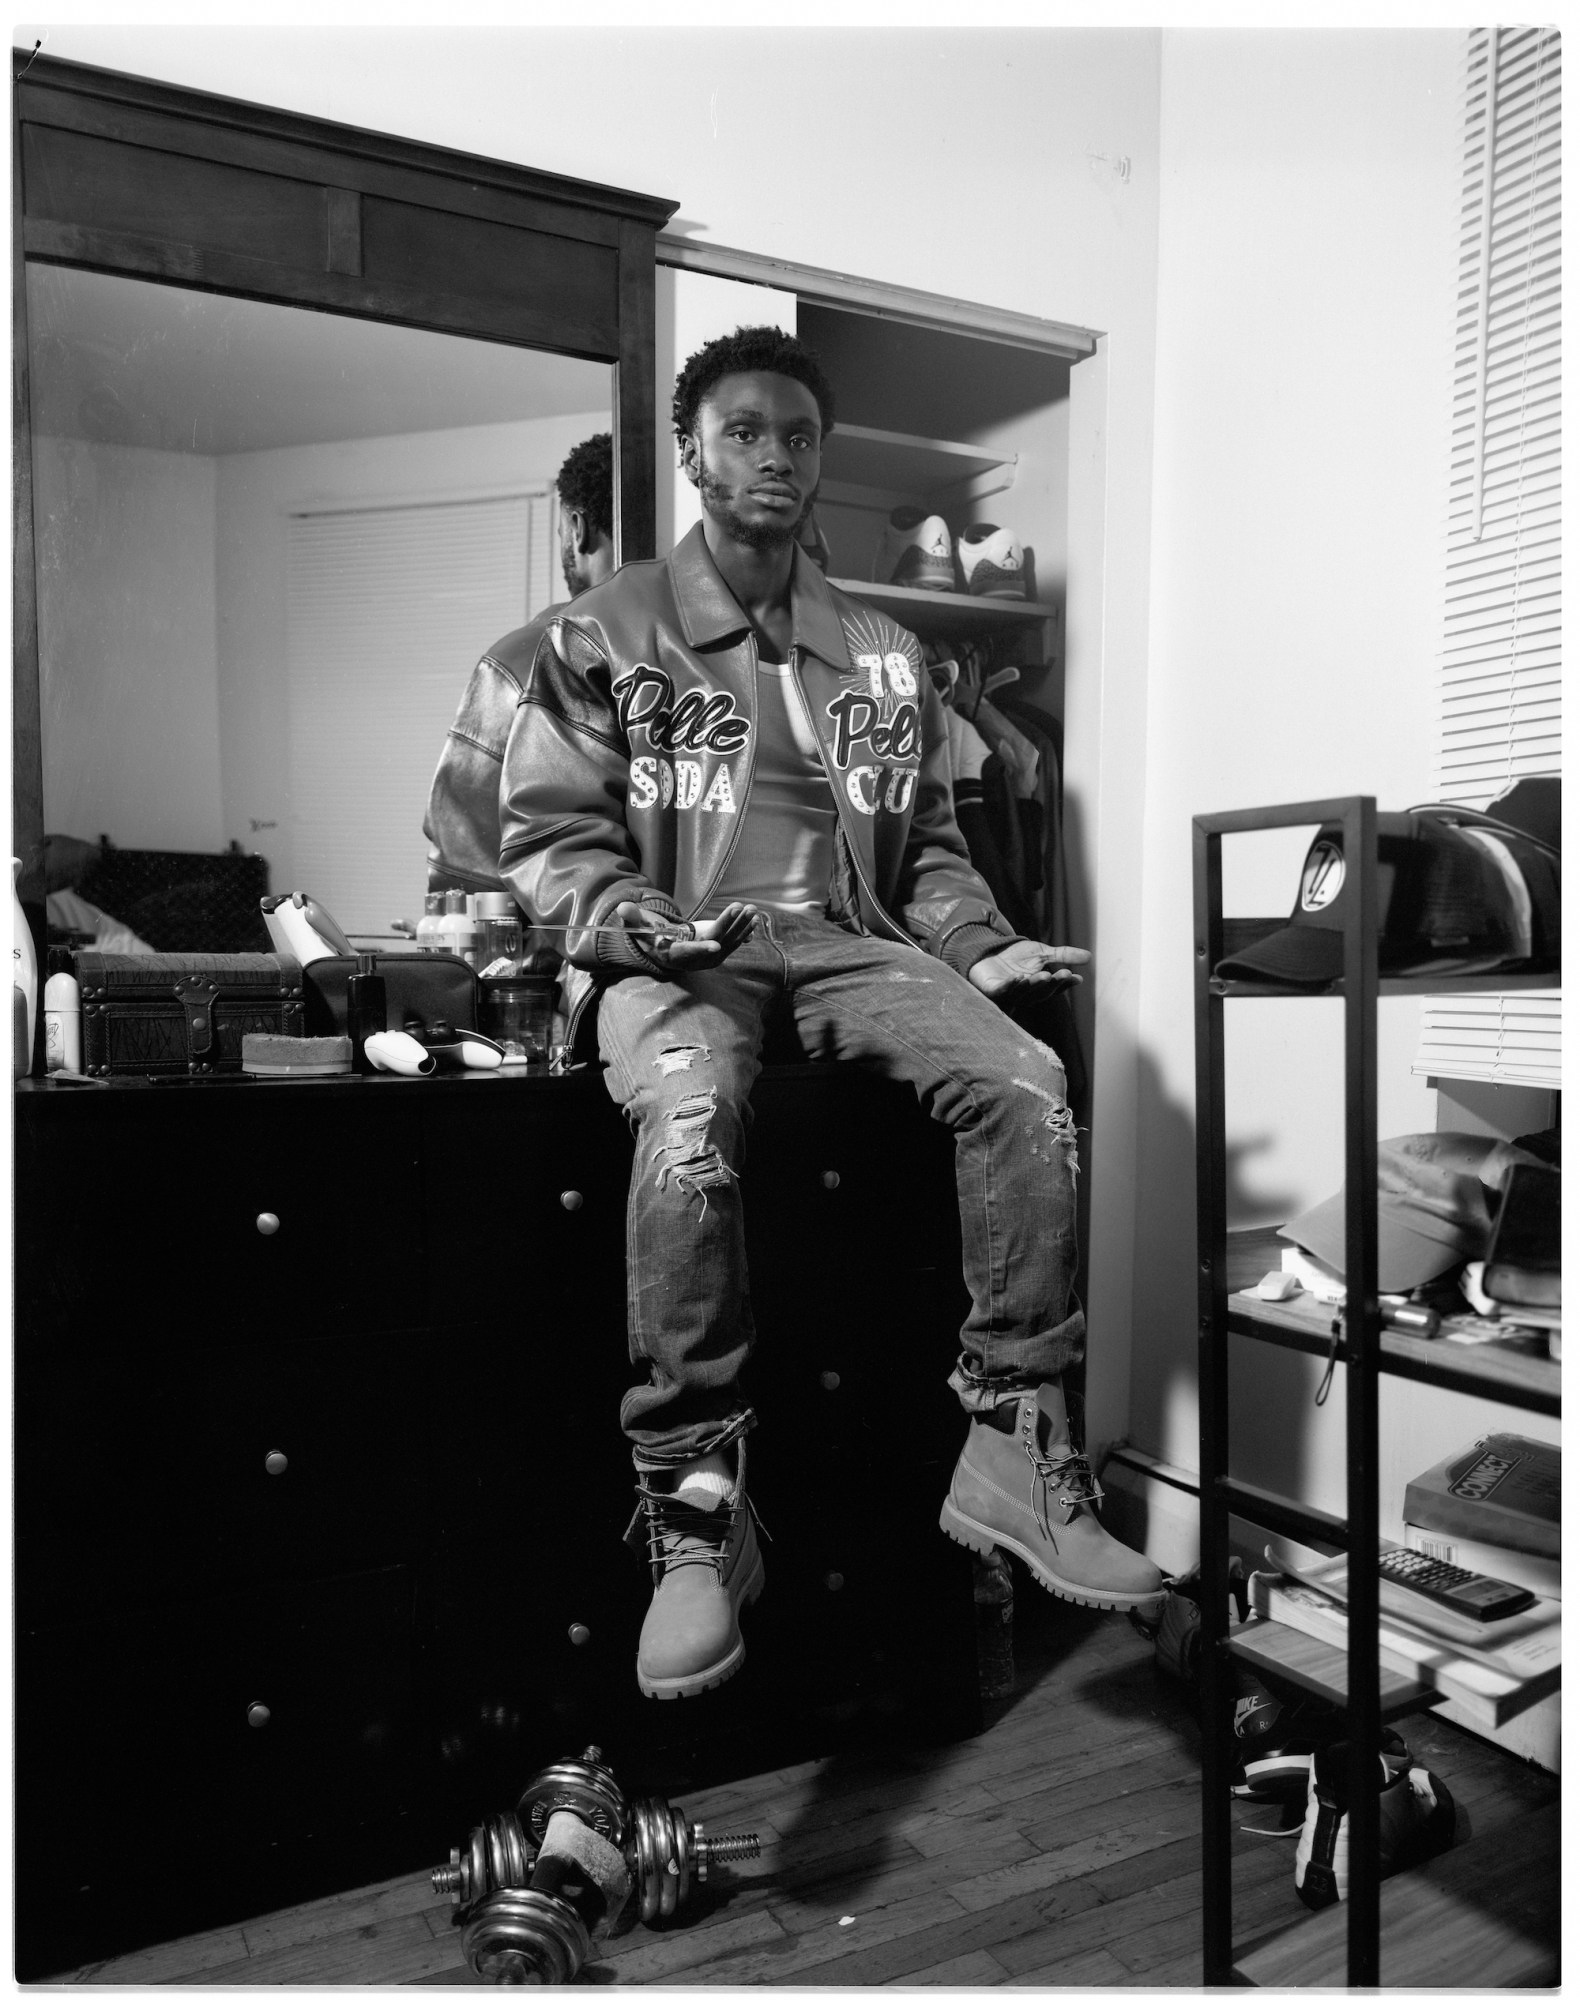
[{"x": 709, "y": 610}]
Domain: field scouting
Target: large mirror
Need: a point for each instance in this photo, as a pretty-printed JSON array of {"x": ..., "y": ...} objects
[
  {"x": 290, "y": 398},
  {"x": 270, "y": 544}
]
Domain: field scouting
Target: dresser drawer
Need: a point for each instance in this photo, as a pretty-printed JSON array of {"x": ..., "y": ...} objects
[
  {"x": 280, "y": 1717},
  {"x": 524, "y": 1198},
  {"x": 227, "y": 1209},
  {"x": 164, "y": 1468}
]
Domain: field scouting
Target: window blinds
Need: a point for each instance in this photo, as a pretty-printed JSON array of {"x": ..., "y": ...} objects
[
  {"x": 1499, "y": 675},
  {"x": 390, "y": 609}
]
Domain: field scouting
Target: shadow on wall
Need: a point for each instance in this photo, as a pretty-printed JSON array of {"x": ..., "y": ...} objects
[
  {"x": 1164, "y": 1406},
  {"x": 1268, "y": 1388}
]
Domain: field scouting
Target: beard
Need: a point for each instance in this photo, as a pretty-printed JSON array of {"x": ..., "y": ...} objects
[{"x": 718, "y": 503}]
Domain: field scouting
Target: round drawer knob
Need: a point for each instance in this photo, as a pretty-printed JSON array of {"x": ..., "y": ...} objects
[
  {"x": 570, "y": 1199},
  {"x": 829, "y": 1378},
  {"x": 275, "y": 1463},
  {"x": 834, "y": 1581},
  {"x": 830, "y": 1180},
  {"x": 268, "y": 1225},
  {"x": 257, "y": 1715},
  {"x": 580, "y": 1635}
]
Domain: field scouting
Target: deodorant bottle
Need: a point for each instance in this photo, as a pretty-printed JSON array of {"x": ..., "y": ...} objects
[{"x": 62, "y": 1023}]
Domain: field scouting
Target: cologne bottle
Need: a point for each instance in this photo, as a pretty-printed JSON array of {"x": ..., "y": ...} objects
[{"x": 365, "y": 1009}]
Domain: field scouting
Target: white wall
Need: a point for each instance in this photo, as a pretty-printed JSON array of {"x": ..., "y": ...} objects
[
  {"x": 125, "y": 545},
  {"x": 1305, "y": 308},
  {"x": 257, "y": 493}
]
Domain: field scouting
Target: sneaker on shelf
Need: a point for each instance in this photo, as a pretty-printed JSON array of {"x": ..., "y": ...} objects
[
  {"x": 1415, "y": 1820},
  {"x": 991, "y": 561},
  {"x": 915, "y": 552}
]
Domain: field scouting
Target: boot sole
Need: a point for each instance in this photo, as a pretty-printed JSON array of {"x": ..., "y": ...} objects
[
  {"x": 678, "y": 1687},
  {"x": 983, "y": 1541}
]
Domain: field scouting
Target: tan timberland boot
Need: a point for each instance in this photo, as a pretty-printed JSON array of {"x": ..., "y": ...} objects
[
  {"x": 705, "y": 1566},
  {"x": 1028, "y": 1490}
]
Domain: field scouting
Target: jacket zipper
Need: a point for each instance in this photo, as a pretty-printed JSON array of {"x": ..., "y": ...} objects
[
  {"x": 751, "y": 771},
  {"x": 839, "y": 809}
]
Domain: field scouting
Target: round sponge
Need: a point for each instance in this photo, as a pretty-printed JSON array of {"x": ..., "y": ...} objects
[{"x": 296, "y": 1055}]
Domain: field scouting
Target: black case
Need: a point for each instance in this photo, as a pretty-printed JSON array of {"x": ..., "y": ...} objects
[
  {"x": 419, "y": 986},
  {"x": 182, "y": 1013}
]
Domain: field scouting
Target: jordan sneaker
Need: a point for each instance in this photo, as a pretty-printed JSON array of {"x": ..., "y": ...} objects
[
  {"x": 915, "y": 552},
  {"x": 992, "y": 561},
  {"x": 1020, "y": 1485},
  {"x": 1276, "y": 1736},
  {"x": 1415, "y": 1820},
  {"x": 705, "y": 1566}
]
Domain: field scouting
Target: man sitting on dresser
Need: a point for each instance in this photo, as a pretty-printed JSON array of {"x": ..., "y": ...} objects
[
  {"x": 731, "y": 781},
  {"x": 462, "y": 821}
]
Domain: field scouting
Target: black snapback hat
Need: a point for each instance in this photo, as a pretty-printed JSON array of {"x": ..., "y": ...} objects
[{"x": 1443, "y": 905}]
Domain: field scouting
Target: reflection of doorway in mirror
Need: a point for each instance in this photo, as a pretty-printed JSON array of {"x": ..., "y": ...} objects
[
  {"x": 177, "y": 437},
  {"x": 383, "y": 602}
]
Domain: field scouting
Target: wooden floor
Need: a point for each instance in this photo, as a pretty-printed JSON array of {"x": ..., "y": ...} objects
[{"x": 1059, "y": 1848}]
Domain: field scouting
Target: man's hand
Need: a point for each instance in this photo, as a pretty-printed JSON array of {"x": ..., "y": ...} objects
[
  {"x": 1026, "y": 966},
  {"x": 688, "y": 947}
]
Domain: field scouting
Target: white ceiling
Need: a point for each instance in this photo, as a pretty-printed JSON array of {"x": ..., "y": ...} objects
[{"x": 117, "y": 361}]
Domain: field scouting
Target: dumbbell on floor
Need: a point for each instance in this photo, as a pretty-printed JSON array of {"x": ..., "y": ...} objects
[{"x": 575, "y": 1841}]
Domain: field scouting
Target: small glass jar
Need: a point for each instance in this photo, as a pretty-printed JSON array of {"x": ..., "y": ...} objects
[{"x": 518, "y": 1013}]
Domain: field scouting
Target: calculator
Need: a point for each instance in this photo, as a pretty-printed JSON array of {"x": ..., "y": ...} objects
[{"x": 1456, "y": 1589}]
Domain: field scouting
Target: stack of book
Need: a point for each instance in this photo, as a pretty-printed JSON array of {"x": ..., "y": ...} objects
[{"x": 1494, "y": 1670}]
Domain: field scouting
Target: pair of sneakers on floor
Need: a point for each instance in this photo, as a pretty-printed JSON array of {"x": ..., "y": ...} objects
[{"x": 1019, "y": 1485}]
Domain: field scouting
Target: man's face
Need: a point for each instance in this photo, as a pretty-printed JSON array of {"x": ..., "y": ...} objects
[{"x": 755, "y": 455}]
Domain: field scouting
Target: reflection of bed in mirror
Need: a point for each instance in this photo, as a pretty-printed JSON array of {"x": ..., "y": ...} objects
[
  {"x": 270, "y": 546},
  {"x": 270, "y": 543}
]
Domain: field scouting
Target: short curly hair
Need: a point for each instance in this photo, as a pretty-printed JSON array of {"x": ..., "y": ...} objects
[
  {"x": 768, "y": 348},
  {"x": 586, "y": 480}
]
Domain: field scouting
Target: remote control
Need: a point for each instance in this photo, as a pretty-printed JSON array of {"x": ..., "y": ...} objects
[{"x": 1480, "y": 1597}]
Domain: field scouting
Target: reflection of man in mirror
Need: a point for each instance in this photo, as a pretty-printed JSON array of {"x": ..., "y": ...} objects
[
  {"x": 462, "y": 821},
  {"x": 732, "y": 780}
]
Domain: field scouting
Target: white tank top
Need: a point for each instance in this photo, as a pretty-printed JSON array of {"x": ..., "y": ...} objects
[{"x": 785, "y": 852}]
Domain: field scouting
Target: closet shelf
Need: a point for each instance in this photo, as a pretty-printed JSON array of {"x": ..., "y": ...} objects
[
  {"x": 867, "y": 467},
  {"x": 945, "y": 614}
]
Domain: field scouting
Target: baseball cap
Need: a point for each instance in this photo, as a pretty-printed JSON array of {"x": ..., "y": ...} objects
[
  {"x": 1437, "y": 1197},
  {"x": 1443, "y": 905}
]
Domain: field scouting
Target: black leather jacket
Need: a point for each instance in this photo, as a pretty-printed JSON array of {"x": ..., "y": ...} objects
[
  {"x": 630, "y": 761},
  {"x": 462, "y": 820}
]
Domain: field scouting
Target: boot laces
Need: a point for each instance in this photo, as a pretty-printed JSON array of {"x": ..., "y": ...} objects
[
  {"x": 1072, "y": 1475},
  {"x": 678, "y": 1534}
]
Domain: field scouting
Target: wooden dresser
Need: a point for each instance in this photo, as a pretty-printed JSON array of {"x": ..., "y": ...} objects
[{"x": 320, "y": 1486}]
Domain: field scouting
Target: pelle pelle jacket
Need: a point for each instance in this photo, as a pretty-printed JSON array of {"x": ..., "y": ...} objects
[{"x": 629, "y": 764}]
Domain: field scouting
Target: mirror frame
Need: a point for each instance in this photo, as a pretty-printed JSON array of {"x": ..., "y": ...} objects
[{"x": 123, "y": 175}]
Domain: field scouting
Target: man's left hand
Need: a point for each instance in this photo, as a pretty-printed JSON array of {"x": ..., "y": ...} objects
[{"x": 1026, "y": 967}]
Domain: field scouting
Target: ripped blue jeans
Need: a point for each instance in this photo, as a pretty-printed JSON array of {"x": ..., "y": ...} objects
[{"x": 681, "y": 1056}]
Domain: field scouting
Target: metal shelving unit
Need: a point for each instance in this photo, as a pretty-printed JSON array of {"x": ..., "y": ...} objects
[{"x": 1364, "y": 1350}]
